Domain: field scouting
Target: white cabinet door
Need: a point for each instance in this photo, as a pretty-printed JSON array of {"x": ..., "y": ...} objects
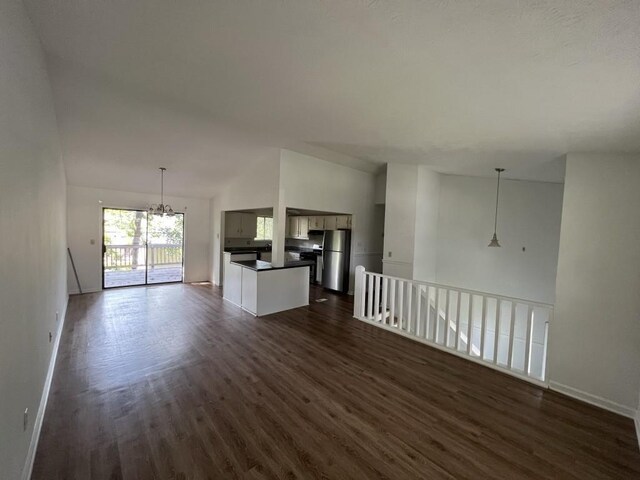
[
  {"x": 316, "y": 223},
  {"x": 303, "y": 227},
  {"x": 232, "y": 286},
  {"x": 342, "y": 222},
  {"x": 330, "y": 222},
  {"x": 249, "y": 225},
  {"x": 233, "y": 225},
  {"x": 293, "y": 227}
]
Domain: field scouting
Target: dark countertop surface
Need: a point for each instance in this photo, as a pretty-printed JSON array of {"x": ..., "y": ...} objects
[
  {"x": 245, "y": 249},
  {"x": 288, "y": 248},
  {"x": 260, "y": 266}
]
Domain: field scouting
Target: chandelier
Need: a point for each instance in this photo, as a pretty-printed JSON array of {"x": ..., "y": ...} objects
[{"x": 161, "y": 208}]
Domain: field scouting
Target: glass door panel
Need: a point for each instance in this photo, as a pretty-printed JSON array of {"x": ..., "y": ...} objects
[
  {"x": 124, "y": 259},
  {"x": 165, "y": 248}
]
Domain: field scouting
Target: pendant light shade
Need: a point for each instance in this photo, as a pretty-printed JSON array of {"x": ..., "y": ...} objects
[
  {"x": 161, "y": 208},
  {"x": 494, "y": 240}
]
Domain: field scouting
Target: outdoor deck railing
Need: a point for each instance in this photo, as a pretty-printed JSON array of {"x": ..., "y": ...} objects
[
  {"x": 120, "y": 257},
  {"x": 505, "y": 333}
]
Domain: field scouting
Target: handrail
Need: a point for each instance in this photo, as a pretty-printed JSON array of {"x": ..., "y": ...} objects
[
  {"x": 506, "y": 333},
  {"x": 126, "y": 256},
  {"x": 466, "y": 290}
]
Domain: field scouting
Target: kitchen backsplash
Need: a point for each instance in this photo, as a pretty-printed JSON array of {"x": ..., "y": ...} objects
[
  {"x": 313, "y": 240},
  {"x": 245, "y": 242},
  {"x": 290, "y": 242}
]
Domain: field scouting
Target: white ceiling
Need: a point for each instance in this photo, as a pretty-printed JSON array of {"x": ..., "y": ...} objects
[{"x": 206, "y": 87}]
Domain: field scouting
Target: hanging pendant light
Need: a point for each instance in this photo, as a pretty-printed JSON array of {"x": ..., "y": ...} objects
[
  {"x": 494, "y": 240},
  {"x": 161, "y": 208}
]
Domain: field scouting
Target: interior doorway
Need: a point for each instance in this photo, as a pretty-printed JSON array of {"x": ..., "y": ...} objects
[{"x": 139, "y": 248}]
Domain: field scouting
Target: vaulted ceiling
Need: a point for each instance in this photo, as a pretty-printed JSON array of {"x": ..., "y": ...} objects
[{"x": 207, "y": 87}]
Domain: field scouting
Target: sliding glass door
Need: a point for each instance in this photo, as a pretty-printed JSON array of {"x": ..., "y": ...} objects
[
  {"x": 140, "y": 248},
  {"x": 164, "y": 248}
]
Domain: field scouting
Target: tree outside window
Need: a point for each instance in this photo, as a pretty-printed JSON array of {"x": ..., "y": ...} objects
[{"x": 265, "y": 228}]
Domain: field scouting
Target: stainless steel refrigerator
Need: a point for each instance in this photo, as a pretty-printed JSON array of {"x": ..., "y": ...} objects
[{"x": 335, "y": 260}]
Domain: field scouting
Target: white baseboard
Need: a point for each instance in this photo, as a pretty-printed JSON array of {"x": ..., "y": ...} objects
[
  {"x": 37, "y": 426},
  {"x": 593, "y": 400}
]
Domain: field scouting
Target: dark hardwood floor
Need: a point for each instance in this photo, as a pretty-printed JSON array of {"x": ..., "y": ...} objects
[{"x": 171, "y": 382}]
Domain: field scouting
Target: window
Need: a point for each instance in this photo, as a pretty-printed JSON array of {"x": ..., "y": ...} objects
[{"x": 264, "y": 230}]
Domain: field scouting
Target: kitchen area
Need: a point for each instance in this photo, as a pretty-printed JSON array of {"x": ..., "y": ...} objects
[{"x": 316, "y": 252}]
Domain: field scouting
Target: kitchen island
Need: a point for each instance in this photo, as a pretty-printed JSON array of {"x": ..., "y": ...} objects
[{"x": 261, "y": 288}]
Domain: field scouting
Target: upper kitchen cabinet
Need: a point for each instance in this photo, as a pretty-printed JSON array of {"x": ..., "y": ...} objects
[
  {"x": 330, "y": 222},
  {"x": 316, "y": 223},
  {"x": 240, "y": 225},
  {"x": 343, "y": 222},
  {"x": 299, "y": 227},
  {"x": 249, "y": 225}
]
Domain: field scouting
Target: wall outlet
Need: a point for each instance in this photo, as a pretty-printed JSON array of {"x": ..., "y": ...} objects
[
  {"x": 25, "y": 419},
  {"x": 389, "y": 254},
  {"x": 92, "y": 241}
]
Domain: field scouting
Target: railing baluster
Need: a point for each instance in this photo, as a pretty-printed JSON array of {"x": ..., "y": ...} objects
[
  {"x": 363, "y": 293},
  {"x": 512, "y": 334},
  {"x": 543, "y": 373},
  {"x": 376, "y": 299},
  {"x": 370, "y": 297},
  {"x": 469, "y": 324},
  {"x": 385, "y": 293},
  {"x": 427, "y": 314},
  {"x": 458, "y": 305},
  {"x": 436, "y": 321},
  {"x": 496, "y": 334},
  {"x": 483, "y": 326},
  {"x": 409, "y": 302},
  {"x": 527, "y": 349},
  {"x": 446, "y": 319},
  {"x": 418, "y": 308},
  {"x": 392, "y": 302},
  {"x": 400, "y": 304}
]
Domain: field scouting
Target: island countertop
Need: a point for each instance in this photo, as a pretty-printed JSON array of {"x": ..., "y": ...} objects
[{"x": 262, "y": 266}]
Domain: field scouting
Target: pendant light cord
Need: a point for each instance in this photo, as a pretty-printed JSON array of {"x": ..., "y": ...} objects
[
  {"x": 162, "y": 169},
  {"x": 495, "y": 224}
]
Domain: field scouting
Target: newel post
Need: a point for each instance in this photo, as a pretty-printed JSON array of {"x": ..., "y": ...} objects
[{"x": 358, "y": 302}]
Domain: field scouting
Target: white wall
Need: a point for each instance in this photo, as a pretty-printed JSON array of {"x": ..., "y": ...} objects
[
  {"x": 529, "y": 216},
  {"x": 32, "y": 222},
  {"x": 310, "y": 183},
  {"x": 381, "y": 188},
  {"x": 426, "y": 231},
  {"x": 257, "y": 187},
  {"x": 84, "y": 223},
  {"x": 595, "y": 336},
  {"x": 400, "y": 220}
]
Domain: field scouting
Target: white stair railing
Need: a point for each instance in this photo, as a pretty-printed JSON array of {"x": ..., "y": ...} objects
[{"x": 505, "y": 333}]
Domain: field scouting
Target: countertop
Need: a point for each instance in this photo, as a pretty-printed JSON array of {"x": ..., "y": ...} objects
[
  {"x": 288, "y": 248},
  {"x": 241, "y": 250},
  {"x": 260, "y": 266}
]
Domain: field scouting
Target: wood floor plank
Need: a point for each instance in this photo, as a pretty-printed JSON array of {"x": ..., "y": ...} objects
[{"x": 173, "y": 382}]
